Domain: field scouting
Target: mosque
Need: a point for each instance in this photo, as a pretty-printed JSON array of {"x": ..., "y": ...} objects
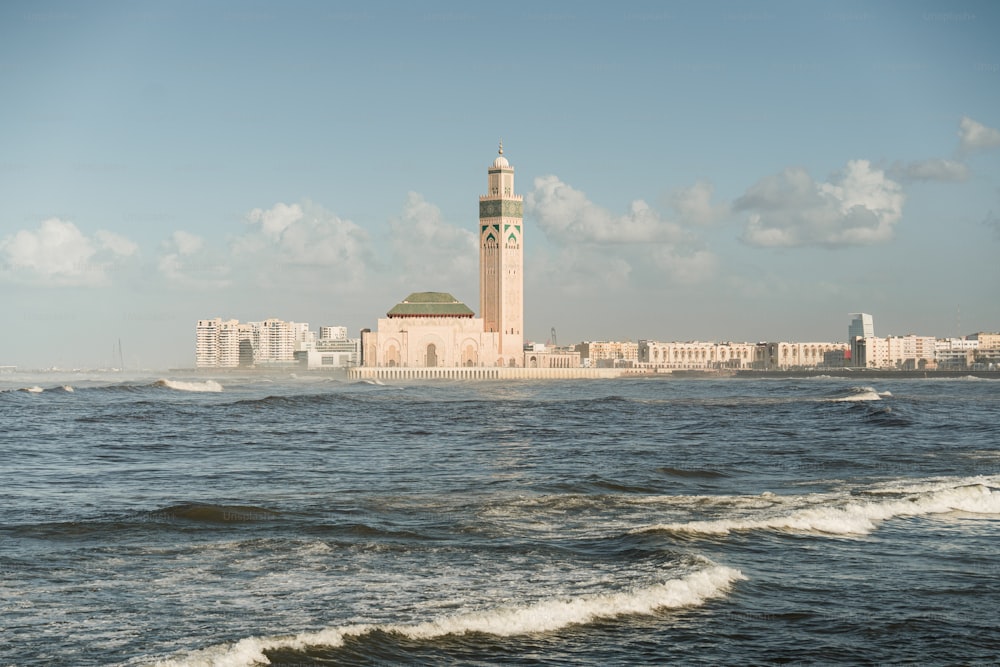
[{"x": 435, "y": 330}]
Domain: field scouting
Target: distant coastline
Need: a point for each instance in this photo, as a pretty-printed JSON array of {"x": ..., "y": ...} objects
[{"x": 861, "y": 373}]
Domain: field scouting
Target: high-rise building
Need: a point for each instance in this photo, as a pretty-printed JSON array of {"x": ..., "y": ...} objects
[
  {"x": 862, "y": 325},
  {"x": 501, "y": 260}
]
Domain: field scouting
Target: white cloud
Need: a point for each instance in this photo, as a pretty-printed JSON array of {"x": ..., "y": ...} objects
[
  {"x": 976, "y": 136},
  {"x": 858, "y": 207},
  {"x": 303, "y": 246},
  {"x": 275, "y": 220},
  {"x": 429, "y": 252},
  {"x": 58, "y": 253},
  {"x": 184, "y": 261},
  {"x": 187, "y": 243},
  {"x": 694, "y": 205},
  {"x": 601, "y": 251},
  {"x": 686, "y": 268},
  {"x": 118, "y": 245},
  {"x": 567, "y": 215},
  {"x": 936, "y": 169}
]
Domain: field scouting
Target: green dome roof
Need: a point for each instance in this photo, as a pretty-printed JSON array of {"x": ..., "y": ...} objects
[{"x": 430, "y": 304}]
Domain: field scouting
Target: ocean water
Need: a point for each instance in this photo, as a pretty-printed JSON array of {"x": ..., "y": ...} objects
[{"x": 247, "y": 520}]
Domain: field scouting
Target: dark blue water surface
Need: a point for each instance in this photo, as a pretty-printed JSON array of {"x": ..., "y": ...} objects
[{"x": 311, "y": 521}]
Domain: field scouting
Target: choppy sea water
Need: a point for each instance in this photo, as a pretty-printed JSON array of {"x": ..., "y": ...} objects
[{"x": 307, "y": 521}]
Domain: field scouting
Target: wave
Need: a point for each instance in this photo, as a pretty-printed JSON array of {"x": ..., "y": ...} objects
[
  {"x": 215, "y": 513},
  {"x": 860, "y": 394},
  {"x": 852, "y": 518},
  {"x": 694, "y": 472},
  {"x": 547, "y": 615},
  {"x": 178, "y": 385}
]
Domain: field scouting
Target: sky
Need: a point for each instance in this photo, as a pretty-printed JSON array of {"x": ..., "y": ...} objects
[{"x": 691, "y": 170}]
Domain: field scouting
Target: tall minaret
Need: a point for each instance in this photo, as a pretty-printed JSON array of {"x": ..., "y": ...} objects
[{"x": 501, "y": 261}]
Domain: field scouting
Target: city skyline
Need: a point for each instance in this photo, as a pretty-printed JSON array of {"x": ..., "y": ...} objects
[{"x": 690, "y": 172}]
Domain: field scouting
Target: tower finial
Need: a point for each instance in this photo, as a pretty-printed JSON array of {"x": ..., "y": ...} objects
[{"x": 501, "y": 146}]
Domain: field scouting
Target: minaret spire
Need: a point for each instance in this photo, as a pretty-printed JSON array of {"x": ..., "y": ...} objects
[{"x": 501, "y": 261}]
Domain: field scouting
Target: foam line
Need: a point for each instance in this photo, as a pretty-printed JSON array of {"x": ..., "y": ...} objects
[
  {"x": 543, "y": 616},
  {"x": 208, "y": 385},
  {"x": 852, "y": 518}
]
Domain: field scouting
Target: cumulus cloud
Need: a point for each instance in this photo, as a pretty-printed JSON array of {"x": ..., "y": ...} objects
[
  {"x": 976, "y": 136},
  {"x": 858, "y": 207},
  {"x": 184, "y": 260},
  {"x": 566, "y": 214},
  {"x": 303, "y": 245},
  {"x": 600, "y": 250},
  {"x": 59, "y": 254},
  {"x": 694, "y": 205},
  {"x": 274, "y": 221},
  {"x": 429, "y": 251},
  {"x": 935, "y": 169}
]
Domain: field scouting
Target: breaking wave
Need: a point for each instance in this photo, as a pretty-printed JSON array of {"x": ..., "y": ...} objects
[
  {"x": 544, "y": 616},
  {"x": 178, "y": 385},
  {"x": 852, "y": 517},
  {"x": 861, "y": 394}
]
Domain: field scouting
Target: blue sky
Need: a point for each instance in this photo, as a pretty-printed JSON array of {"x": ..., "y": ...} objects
[{"x": 703, "y": 170}]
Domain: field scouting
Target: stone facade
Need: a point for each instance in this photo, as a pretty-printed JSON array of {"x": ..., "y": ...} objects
[{"x": 434, "y": 330}]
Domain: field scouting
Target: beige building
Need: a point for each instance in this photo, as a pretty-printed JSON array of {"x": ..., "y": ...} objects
[
  {"x": 435, "y": 330},
  {"x": 696, "y": 355},
  {"x": 608, "y": 353},
  {"x": 986, "y": 341}
]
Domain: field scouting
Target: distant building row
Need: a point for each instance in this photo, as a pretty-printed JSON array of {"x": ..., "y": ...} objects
[{"x": 273, "y": 343}]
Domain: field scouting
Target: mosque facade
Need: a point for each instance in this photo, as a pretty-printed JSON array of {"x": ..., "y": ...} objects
[{"x": 430, "y": 330}]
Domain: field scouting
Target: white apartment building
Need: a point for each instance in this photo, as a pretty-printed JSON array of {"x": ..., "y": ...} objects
[
  {"x": 272, "y": 341},
  {"x": 333, "y": 333},
  {"x": 218, "y": 343},
  {"x": 896, "y": 352}
]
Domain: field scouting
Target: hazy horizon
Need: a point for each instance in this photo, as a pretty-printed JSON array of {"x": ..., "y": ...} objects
[{"x": 691, "y": 171}]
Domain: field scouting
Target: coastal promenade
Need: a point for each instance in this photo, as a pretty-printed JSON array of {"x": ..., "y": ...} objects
[{"x": 480, "y": 373}]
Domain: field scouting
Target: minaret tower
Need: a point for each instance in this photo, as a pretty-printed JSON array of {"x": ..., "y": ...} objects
[{"x": 501, "y": 261}]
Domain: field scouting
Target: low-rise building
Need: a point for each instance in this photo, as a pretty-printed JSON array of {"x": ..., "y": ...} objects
[{"x": 696, "y": 355}]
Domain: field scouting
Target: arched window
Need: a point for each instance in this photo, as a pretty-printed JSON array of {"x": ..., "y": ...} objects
[{"x": 432, "y": 359}]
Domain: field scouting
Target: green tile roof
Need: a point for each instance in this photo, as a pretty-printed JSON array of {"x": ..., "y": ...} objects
[{"x": 430, "y": 304}]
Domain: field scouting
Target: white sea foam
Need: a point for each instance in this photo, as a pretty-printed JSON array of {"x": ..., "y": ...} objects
[
  {"x": 67, "y": 388},
  {"x": 178, "y": 385},
  {"x": 33, "y": 390},
  {"x": 861, "y": 394},
  {"x": 853, "y": 518},
  {"x": 543, "y": 616}
]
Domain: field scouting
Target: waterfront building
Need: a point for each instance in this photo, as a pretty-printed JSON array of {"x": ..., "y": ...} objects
[
  {"x": 956, "y": 353},
  {"x": 608, "y": 353},
  {"x": 696, "y": 355},
  {"x": 896, "y": 352},
  {"x": 985, "y": 340},
  {"x": 861, "y": 326},
  {"x": 796, "y": 356},
  {"x": 272, "y": 342},
  {"x": 427, "y": 330},
  {"x": 218, "y": 343},
  {"x": 538, "y": 355},
  {"x": 435, "y": 330}
]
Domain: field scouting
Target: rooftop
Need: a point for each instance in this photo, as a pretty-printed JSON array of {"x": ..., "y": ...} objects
[{"x": 430, "y": 304}]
